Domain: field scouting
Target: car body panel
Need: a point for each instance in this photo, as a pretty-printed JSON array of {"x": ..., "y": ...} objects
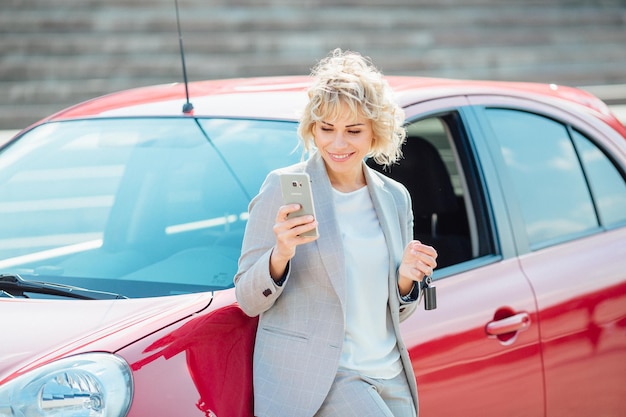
[
  {"x": 583, "y": 330},
  {"x": 49, "y": 329},
  {"x": 461, "y": 370},
  {"x": 216, "y": 375}
]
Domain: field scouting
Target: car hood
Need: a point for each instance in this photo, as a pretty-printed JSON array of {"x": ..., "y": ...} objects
[{"x": 36, "y": 331}]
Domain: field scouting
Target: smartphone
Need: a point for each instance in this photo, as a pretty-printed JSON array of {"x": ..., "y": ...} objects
[{"x": 296, "y": 188}]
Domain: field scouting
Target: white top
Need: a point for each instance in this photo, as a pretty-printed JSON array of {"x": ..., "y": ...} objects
[{"x": 370, "y": 345}]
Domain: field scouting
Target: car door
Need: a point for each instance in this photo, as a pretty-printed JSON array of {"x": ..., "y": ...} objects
[
  {"x": 566, "y": 177},
  {"x": 477, "y": 353}
]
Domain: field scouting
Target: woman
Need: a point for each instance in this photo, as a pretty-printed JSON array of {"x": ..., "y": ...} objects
[{"x": 328, "y": 340}]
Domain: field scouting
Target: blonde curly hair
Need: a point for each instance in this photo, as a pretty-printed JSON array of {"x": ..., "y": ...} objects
[{"x": 349, "y": 78}]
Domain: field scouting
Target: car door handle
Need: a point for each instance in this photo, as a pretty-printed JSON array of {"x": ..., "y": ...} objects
[{"x": 515, "y": 323}]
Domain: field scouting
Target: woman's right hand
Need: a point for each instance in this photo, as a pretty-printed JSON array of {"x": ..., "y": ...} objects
[{"x": 288, "y": 234}]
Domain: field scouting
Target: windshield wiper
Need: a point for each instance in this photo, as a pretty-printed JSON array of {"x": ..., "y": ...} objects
[{"x": 17, "y": 286}]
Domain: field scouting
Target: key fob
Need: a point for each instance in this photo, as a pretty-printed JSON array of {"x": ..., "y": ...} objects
[{"x": 429, "y": 293}]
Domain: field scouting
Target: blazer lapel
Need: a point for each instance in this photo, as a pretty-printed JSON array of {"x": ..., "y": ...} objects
[{"x": 329, "y": 243}]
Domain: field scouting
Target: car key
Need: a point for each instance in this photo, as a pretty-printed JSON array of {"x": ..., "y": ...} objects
[{"x": 429, "y": 293}]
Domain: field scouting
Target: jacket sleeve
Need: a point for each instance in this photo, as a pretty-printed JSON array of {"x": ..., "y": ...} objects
[{"x": 255, "y": 289}]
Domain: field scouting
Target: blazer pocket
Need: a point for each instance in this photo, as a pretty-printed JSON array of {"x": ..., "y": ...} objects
[{"x": 288, "y": 334}]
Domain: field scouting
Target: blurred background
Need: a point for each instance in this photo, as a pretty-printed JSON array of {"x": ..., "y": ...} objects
[{"x": 55, "y": 53}]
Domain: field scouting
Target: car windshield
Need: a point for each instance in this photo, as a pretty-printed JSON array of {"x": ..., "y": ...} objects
[{"x": 138, "y": 207}]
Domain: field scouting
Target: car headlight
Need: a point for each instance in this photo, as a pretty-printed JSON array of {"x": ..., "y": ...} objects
[{"x": 85, "y": 385}]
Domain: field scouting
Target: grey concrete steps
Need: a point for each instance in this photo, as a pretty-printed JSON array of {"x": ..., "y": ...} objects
[{"x": 53, "y": 54}]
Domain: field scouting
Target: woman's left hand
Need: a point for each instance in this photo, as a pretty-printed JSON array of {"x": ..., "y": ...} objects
[{"x": 418, "y": 261}]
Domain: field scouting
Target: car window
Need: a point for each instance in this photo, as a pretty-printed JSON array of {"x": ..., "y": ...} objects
[
  {"x": 546, "y": 175},
  {"x": 606, "y": 181},
  {"x": 438, "y": 176},
  {"x": 140, "y": 207}
]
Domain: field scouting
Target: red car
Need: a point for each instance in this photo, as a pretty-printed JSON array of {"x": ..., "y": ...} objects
[{"x": 122, "y": 219}]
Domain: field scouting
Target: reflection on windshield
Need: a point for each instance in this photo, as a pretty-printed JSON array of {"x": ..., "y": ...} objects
[
  {"x": 131, "y": 201},
  {"x": 97, "y": 243},
  {"x": 50, "y": 254},
  {"x": 205, "y": 224}
]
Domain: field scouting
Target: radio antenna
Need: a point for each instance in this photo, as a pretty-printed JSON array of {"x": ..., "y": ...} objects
[{"x": 187, "y": 107}]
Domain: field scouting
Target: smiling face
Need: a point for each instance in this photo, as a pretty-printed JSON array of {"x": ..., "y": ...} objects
[{"x": 343, "y": 143}]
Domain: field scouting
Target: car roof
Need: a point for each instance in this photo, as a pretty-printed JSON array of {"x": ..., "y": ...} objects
[{"x": 283, "y": 97}]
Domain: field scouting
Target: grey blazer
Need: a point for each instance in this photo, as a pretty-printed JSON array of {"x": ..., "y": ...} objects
[{"x": 301, "y": 325}]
